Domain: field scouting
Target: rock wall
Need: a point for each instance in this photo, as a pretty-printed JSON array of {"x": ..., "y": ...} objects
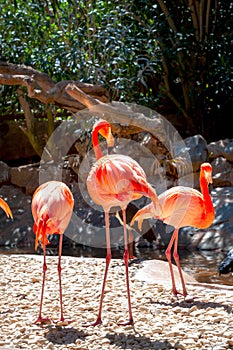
[{"x": 17, "y": 185}]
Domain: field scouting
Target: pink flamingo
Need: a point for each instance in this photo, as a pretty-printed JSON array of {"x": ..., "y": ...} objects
[
  {"x": 115, "y": 180},
  {"x": 52, "y": 207},
  {"x": 182, "y": 206}
]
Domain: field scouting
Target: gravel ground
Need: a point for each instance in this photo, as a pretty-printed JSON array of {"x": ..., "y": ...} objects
[{"x": 162, "y": 321}]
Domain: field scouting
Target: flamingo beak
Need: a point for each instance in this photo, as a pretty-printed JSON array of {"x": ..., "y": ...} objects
[
  {"x": 107, "y": 134},
  {"x": 110, "y": 139},
  {"x": 208, "y": 177}
]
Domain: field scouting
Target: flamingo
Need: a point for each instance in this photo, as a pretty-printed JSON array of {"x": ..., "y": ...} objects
[
  {"x": 115, "y": 181},
  {"x": 6, "y": 208},
  {"x": 182, "y": 206},
  {"x": 52, "y": 207}
]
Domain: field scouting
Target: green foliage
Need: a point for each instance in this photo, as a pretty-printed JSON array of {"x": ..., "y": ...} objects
[
  {"x": 131, "y": 48},
  {"x": 95, "y": 42}
]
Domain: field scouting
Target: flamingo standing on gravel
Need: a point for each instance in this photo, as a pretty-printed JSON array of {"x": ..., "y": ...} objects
[
  {"x": 182, "y": 206},
  {"x": 115, "y": 181},
  {"x": 52, "y": 207},
  {"x": 6, "y": 208}
]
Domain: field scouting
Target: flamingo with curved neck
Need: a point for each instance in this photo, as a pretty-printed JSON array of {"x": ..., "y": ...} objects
[{"x": 182, "y": 206}]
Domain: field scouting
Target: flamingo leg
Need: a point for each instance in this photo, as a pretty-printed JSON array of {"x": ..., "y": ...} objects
[
  {"x": 177, "y": 260},
  {"x": 131, "y": 238},
  {"x": 59, "y": 275},
  {"x": 40, "y": 319},
  {"x": 126, "y": 260},
  {"x": 107, "y": 260},
  {"x": 60, "y": 284},
  {"x": 168, "y": 255}
]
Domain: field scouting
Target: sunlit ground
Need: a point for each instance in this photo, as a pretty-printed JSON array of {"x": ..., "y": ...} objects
[{"x": 202, "y": 265}]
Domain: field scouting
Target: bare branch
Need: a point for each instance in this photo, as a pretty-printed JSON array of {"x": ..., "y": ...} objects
[
  {"x": 41, "y": 87},
  {"x": 81, "y": 96},
  {"x": 25, "y": 106}
]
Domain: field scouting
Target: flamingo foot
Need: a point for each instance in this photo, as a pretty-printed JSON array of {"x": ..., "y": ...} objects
[
  {"x": 130, "y": 322},
  {"x": 42, "y": 320},
  {"x": 131, "y": 257},
  {"x": 93, "y": 324},
  {"x": 176, "y": 293}
]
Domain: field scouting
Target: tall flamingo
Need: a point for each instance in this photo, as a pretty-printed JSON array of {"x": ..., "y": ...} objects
[
  {"x": 52, "y": 207},
  {"x": 6, "y": 208},
  {"x": 182, "y": 206},
  {"x": 114, "y": 181}
]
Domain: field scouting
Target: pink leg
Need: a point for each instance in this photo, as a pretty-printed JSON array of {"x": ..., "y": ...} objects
[
  {"x": 131, "y": 237},
  {"x": 40, "y": 319},
  {"x": 177, "y": 260},
  {"x": 108, "y": 259},
  {"x": 126, "y": 260},
  {"x": 59, "y": 275},
  {"x": 168, "y": 255}
]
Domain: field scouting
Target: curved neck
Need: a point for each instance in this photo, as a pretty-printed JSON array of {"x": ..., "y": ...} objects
[
  {"x": 207, "y": 199},
  {"x": 95, "y": 142}
]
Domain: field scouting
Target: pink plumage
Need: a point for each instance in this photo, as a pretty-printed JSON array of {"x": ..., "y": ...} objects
[{"x": 182, "y": 206}]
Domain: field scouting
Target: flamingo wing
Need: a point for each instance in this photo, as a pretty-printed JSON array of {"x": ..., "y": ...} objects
[
  {"x": 52, "y": 206},
  {"x": 185, "y": 206},
  {"x": 116, "y": 180},
  {"x": 181, "y": 206}
]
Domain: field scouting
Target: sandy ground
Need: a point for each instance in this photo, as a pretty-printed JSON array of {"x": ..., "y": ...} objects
[{"x": 161, "y": 321}]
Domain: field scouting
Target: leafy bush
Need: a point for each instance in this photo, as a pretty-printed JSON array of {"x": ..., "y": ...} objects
[{"x": 156, "y": 54}]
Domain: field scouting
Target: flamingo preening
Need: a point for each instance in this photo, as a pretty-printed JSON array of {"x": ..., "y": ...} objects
[
  {"x": 182, "y": 206},
  {"x": 52, "y": 207},
  {"x": 114, "y": 181}
]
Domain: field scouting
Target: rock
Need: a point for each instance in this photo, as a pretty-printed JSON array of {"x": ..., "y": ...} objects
[
  {"x": 196, "y": 146},
  {"x": 17, "y": 232},
  {"x": 4, "y": 173},
  {"x": 26, "y": 177},
  {"x": 17, "y": 185},
  {"x": 221, "y": 148},
  {"x": 157, "y": 271},
  {"x": 222, "y": 172},
  {"x": 228, "y": 151}
]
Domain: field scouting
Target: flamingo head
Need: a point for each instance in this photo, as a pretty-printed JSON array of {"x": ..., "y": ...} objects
[
  {"x": 104, "y": 129},
  {"x": 206, "y": 169}
]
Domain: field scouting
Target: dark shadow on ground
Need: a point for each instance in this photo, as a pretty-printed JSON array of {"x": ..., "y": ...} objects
[
  {"x": 137, "y": 341},
  {"x": 64, "y": 335},
  {"x": 197, "y": 303}
]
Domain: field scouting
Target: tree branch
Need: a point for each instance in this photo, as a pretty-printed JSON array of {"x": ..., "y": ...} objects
[{"x": 41, "y": 87}]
